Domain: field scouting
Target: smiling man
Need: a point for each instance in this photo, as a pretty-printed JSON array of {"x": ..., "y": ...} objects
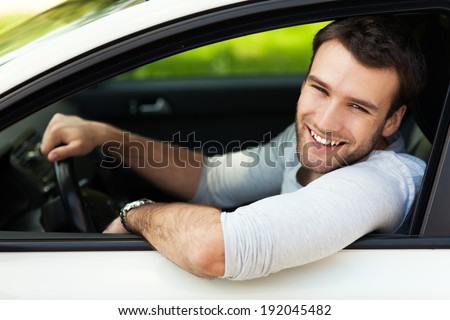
[
  {"x": 337, "y": 113},
  {"x": 339, "y": 173}
]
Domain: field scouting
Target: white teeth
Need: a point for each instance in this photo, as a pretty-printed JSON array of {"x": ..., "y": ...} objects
[{"x": 323, "y": 140}]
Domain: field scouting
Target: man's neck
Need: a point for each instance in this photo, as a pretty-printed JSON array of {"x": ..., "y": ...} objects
[
  {"x": 382, "y": 144},
  {"x": 305, "y": 176}
]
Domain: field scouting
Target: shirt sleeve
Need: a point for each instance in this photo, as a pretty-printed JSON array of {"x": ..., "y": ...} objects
[
  {"x": 237, "y": 178},
  {"x": 313, "y": 222}
]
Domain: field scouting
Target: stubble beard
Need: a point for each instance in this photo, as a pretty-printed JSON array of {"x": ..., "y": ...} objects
[{"x": 336, "y": 158}]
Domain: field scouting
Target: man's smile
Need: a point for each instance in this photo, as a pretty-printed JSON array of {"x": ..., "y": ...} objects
[{"x": 324, "y": 141}]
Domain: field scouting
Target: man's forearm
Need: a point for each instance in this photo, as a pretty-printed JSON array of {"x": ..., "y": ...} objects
[
  {"x": 172, "y": 168},
  {"x": 189, "y": 235}
]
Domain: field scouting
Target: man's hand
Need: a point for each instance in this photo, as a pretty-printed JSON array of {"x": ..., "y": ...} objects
[
  {"x": 68, "y": 136},
  {"x": 115, "y": 227}
]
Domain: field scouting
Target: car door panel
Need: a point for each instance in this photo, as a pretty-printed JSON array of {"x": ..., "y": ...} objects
[{"x": 376, "y": 274}]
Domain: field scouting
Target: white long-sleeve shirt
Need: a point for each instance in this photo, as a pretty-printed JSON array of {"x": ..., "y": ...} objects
[{"x": 286, "y": 224}]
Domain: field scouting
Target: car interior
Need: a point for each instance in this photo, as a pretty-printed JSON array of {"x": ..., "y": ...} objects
[{"x": 192, "y": 112}]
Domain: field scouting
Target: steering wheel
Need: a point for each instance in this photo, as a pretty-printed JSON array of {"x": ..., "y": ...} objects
[{"x": 71, "y": 196}]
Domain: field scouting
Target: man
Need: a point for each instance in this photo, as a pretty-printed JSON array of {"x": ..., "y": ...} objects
[{"x": 339, "y": 174}]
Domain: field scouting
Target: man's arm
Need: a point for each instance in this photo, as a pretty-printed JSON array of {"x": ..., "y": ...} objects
[
  {"x": 189, "y": 235},
  {"x": 171, "y": 168}
]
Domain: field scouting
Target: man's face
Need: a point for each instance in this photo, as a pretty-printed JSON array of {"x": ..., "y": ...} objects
[{"x": 342, "y": 109}]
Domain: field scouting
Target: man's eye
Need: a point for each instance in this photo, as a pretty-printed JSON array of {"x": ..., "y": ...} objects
[
  {"x": 320, "y": 89},
  {"x": 358, "y": 107}
]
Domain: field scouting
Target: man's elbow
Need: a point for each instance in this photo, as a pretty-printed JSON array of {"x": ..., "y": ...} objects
[
  {"x": 207, "y": 262},
  {"x": 206, "y": 249}
]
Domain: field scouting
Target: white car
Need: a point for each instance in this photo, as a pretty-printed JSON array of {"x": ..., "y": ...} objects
[{"x": 124, "y": 62}]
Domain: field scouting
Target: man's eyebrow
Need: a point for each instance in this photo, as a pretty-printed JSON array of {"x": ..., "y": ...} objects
[
  {"x": 317, "y": 80},
  {"x": 364, "y": 103}
]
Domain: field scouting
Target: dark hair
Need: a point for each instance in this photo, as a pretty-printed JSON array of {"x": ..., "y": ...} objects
[{"x": 381, "y": 42}]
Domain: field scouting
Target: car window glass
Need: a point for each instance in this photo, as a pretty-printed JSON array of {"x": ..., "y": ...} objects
[
  {"x": 279, "y": 52},
  {"x": 285, "y": 51},
  {"x": 282, "y": 51}
]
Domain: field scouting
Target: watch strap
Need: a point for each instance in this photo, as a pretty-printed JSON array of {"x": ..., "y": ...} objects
[{"x": 128, "y": 207}]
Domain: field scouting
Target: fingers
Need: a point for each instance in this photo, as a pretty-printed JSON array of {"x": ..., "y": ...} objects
[
  {"x": 54, "y": 137},
  {"x": 61, "y": 153},
  {"x": 49, "y": 141},
  {"x": 64, "y": 137}
]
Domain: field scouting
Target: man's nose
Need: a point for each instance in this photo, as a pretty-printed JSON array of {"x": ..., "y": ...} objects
[{"x": 330, "y": 117}]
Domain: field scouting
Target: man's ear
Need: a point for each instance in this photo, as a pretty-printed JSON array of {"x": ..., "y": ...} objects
[{"x": 393, "y": 123}]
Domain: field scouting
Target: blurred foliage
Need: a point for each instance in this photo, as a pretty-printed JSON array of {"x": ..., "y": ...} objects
[
  {"x": 282, "y": 51},
  {"x": 16, "y": 31},
  {"x": 12, "y": 20}
]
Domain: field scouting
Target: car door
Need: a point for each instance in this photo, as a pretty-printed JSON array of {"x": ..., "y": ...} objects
[{"x": 245, "y": 107}]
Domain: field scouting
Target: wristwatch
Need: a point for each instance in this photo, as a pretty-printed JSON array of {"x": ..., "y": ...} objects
[{"x": 129, "y": 206}]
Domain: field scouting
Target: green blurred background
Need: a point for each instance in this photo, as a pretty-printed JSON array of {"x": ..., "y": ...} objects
[{"x": 283, "y": 51}]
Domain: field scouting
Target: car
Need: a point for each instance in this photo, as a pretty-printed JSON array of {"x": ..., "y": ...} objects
[{"x": 123, "y": 62}]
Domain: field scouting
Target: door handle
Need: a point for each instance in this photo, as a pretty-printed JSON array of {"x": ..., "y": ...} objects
[{"x": 160, "y": 106}]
